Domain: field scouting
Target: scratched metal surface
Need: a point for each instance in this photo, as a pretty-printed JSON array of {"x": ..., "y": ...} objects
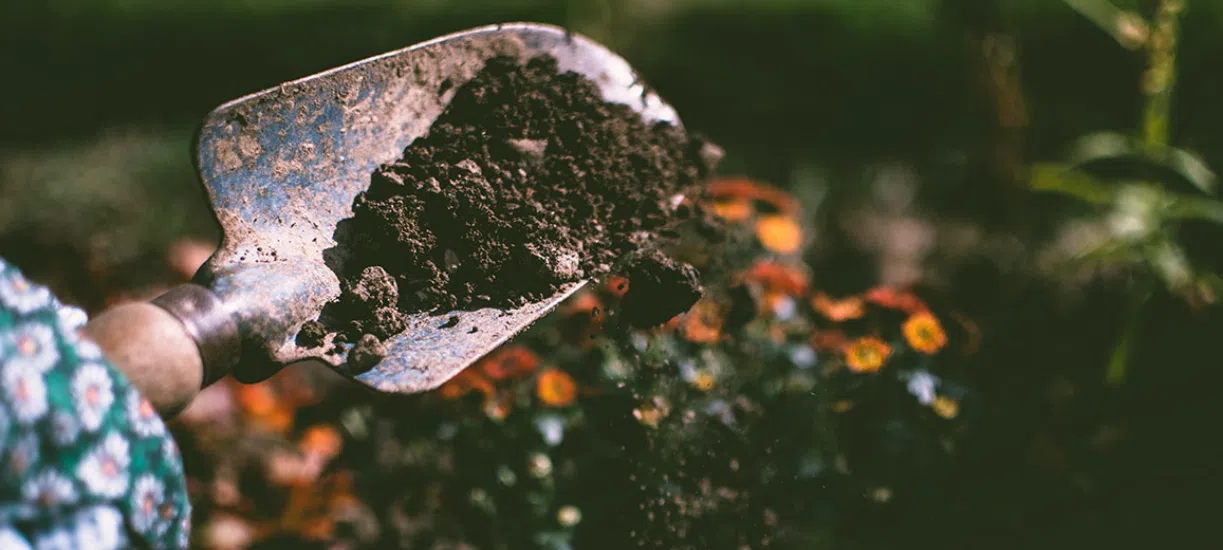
[{"x": 283, "y": 166}]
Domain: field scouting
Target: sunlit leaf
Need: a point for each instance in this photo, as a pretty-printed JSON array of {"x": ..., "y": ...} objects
[
  {"x": 1192, "y": 168},
  {"x": 1104, "y": 145},
  {"x": 1195, "y": 208},
  {"x": 1169, "y": 261},
  {"x": 1127, "y": 28},
  {"x": 1060, "y": 178}
]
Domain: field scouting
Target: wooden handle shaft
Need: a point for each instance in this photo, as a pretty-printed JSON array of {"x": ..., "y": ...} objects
[
  {"x": 172, "y": 348},
  {"x": 153, "y": 348}
]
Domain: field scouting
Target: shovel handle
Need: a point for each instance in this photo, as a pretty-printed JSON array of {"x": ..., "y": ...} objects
[{"x": 170, "y": 348}]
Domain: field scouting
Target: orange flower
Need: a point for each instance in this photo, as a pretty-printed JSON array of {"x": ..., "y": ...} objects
[
  {"x": 838, "y": 310},
  {"x": 264, "y": 408},
  {"x": 867, "y": 354},
  {"x": 555, "y": 388},
  {"x": 895, "y": 299},
  {"x": 323, "y": 440},
  {"x": 733, "y": 210},
  {"x": 617, "y": 286},
  {"x": 745, "y": 189},
  {"x": 257, "y": 399},
  {"x": 509, "y": 362},
  {"x": 465, "y": 382},
  {"x": 778, "y": 278},
  {"x": 779, "y": 234},
  {"x": 703, "y": 324},
  {"x": 583, "y": 304},
  {"x": 924, "y": 333}
]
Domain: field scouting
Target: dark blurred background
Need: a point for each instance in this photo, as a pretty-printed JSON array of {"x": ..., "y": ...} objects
[
  {"x": 100, "y": 97},
  {"x": 835, "y": 100}
]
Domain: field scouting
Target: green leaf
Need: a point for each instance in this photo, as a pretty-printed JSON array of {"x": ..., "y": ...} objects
[
  {"x": 1104, "y": 145},
  {"x": 1194, "y": 208},
  {"x": 1067, "y": 180},
  {"x": 1169, "y": 261},
  {"x": 1128, "y": 28},
  {"x": 1192, "y": 168}
]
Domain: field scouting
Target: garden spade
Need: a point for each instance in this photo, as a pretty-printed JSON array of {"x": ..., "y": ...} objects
[{"x": 281, "y": 168}]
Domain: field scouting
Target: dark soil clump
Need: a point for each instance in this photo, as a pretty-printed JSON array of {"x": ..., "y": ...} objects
[
  {"x": 658, "y": 289},
  {"x": 365, "y": 354},
  {"x": 311, "y": 334},
  {"x": 528, "y": 181}
]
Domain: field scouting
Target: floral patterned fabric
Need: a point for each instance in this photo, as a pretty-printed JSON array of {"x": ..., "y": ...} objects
[{"x": 85, "y": 462}]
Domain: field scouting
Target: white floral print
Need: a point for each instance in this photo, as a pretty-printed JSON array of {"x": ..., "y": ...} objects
[
  {"x": 71, "y": 319},
  {"x": 143, "y": 417},
  {"x": 55, "y": 539},
  {"x": 64, "y": 428},
  {"x": 10, "y": 539},
  {"x": 49, "y": 489},
  {"x": 184, "y": 533},
  {"x": 104, "y": 469},
  {"x": 169, "y": 451},
  {"x": 147, "y": 497},
  {"x": 87, "y": 350},
  {"x": 92, "y": 394},
  {"x": 18, "y": 294},
  {"x": 33, "y": 346},
  {"x": 25, "y": 390},
  {"x": 100, "y": 528}
]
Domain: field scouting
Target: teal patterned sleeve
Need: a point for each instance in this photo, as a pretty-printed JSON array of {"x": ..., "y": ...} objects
[{"x": 85, "y": 462}]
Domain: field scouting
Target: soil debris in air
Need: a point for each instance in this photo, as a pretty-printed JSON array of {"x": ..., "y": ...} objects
[
  {"x": 659, "y": 288},
  {"x": 527, "y": 181}
]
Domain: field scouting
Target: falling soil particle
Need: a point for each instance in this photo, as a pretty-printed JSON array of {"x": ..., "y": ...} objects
[
  {"x": 527, "y": 181},
  {"x": 658, "y": 289},
  {"x": 311, "y": 335},
  {"x": 743, "y": 308},
  {"x": 365, "y": 354}
]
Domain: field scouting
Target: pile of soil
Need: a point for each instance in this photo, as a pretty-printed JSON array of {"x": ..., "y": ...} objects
[{"x": 527, "y": 181}]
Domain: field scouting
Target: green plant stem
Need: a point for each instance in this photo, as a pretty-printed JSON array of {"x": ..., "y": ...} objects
[
  {"x": 1119, "y": 362},
  {"x": 1160, "y": 78}
]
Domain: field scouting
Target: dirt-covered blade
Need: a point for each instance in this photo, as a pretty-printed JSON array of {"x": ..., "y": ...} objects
[{"x": 283, "y": 166}]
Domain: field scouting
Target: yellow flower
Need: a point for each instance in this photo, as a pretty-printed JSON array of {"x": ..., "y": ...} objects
[
  {"x": 945, "y": 407},
  {"x": 652, "y": 412},
  {"x": 555, "y": 388},
  {"x": 924, "y": 333},
  {"x": 779, "y": 234},
  {"x": 843, "y": 405},
  {"x": 866, "y": 354},
  {"x": 704, "y": 381}
]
